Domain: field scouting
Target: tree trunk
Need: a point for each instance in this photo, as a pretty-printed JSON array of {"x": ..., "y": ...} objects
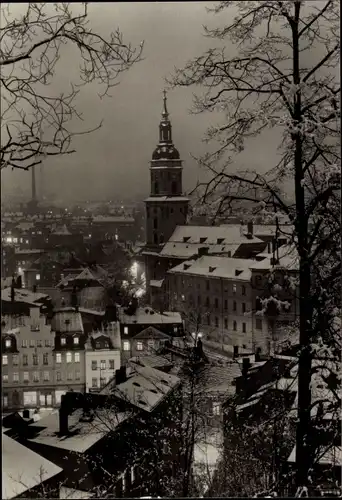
[{"x": 304, "y": 361}]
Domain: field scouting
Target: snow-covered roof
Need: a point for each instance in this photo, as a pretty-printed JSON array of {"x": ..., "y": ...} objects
[
  {"x": 23, "y": 296},
  {"x": 22, "y": 469},
  {"x": 62, "y": 231},
  {"x": 67, "y": 322},
  {"x": 211, "y": 235},
  {"x": 219, "y": 379},
  {"x": 82, "y": 435},
  {"x": 112, "y": 218},
  {"x": 331, "y": 456},
  {"x": 147, "y": 315},
  {"x": 151, "y": 333},
  {"x": 156, "y": 283},
  {"x": 167, "y": 198},
  {"x": 23, "y": 226},
  {"x": 146, "y": 388},
  {"x": 288, "y": 259},
  {"x": 185, "y": 249},
  {"x": 28, "y": 251},
  {"x": 216, "y": 267},
  {"x": 151, "y": 360}
]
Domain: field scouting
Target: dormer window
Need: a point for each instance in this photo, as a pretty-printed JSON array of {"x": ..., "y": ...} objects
[
  {"x": 202, "y": 240},
  {"x": 63, "y": 340},
  {"x": 186, "y": 238},
  {"x": 76, "y": 340}
]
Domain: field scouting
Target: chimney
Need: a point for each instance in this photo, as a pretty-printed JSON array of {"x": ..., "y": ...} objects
[
  {"x": 245, "y": 366},
  {"x": 202, "y": 251},
  {"x": 26, "y": 413}
]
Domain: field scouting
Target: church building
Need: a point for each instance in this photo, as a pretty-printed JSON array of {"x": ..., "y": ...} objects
[{"x": 166, "y": 207}]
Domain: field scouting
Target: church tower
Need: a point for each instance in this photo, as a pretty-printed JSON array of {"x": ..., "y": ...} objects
[{"x": 166, "y": 207}]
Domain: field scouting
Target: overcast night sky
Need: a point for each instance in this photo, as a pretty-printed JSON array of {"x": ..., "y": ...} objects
[{"x": 114, "y": 161}]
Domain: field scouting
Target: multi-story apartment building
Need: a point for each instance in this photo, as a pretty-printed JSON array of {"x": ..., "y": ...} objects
[
  {"x": 215, "y": 297},
  {"x": 102, "y": 357},
  {"x": 69, "y": 353},
  {"x": 28, "y": 370}
]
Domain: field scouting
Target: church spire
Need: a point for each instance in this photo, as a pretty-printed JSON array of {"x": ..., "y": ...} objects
[{"x": 165, "y": 113}]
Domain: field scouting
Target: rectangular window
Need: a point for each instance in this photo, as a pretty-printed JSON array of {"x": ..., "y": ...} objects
[
  {"x": 126, "y": 330},
  {"x": 216, "y": 321},
  {"x": 5, "y": 360},
  {"x": 8, "y": 343},
  {"x": 234, "y": 306},
  {"x": 258, "y": 324},
  {"x": 35, "y": 376},
  {"x": 39, "y": 343},
  {"x": 225, "y": 305},
  {"x": 208, "y": 319},
  {"x": 103, "y": 364},
  {"x": 46, "y": 376},
  {"x": 35, "y": 359},
  {"x": 243, "y": 290},
  {"x": 58, "y": 357},
  {"x": 226, "y": 323},
  {"x": 94, "y": 382},
  {"x": 216, "y": 303},
  {"x": 26, "y": 377},
  {"x": 111, "y": 364},
  {"x": 126, "y": 346},
  {"x": 243, "y": 327},
  {"x": 15, "y": 377},
  {"x": 243, "y": 307},
  {"x": 76, "y": 340},
  {"x": 234, "y": 288},
  {"x": 45, "y": 359},
  {"x": 24, "y": 343},
  {"x": 207, "y": 285},
  {"x": 69, "y": 357},
  {"x": 5, "y": 400},
  {"x": 102, "y": 381},
  {"x": 140, "y": 346},
  {"x": 25, "y": 359},
  {"x": 15, "y": 360},
  {"x": 77, "y": 375},
  {"x": 216, "y": 409},
  {"x": 150, "y": 344},
  {"x": 47, "y": 343},
  {"x": 5, "y": 378},
  {"x": 94, "y": 365},
  {"x": 58, "y": 376},
  {"x": 69, "y": 375},
  {"x": 77, "y": 357},
  {"x": 63, "y": 340}
]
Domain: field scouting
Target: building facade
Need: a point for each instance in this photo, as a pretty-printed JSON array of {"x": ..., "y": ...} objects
[
  {"x": 28, "y": 376},
  {"x": 102, "y": 359}
]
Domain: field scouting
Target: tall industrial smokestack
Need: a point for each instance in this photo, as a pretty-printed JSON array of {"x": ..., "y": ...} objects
[{"x": 34, "y": 194}]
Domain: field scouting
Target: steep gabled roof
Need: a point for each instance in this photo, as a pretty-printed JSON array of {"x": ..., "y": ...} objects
[{"x": 151, "y": 333}]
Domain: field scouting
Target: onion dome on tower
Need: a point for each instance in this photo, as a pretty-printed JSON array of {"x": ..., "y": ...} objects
[{"x": 165, "y": 149}]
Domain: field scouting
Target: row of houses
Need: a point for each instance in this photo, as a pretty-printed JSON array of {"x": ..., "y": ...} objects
[{"x": 45, "y": 353}]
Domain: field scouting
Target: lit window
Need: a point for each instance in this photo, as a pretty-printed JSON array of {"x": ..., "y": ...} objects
[
  {"x": 140, "y": 346},
  {"x": 216, "y": 408},
  {"x": 5, "y": 360},
  {"x": 69, "y": 357},
  {"x": 8, "y": 343},
  {"x": 26, "y": 377},
  {"x": 5, "y": 378},
  {"x": 126, "y": 346},
  {"x": 126, "y": 330},
  {"x": 15, "y": 240},
  {"x": 76, "y": 340},
  {"x": 15, "y": 377},
  {"x": 234, "y": 288},
  {"x": 77, "y": 357},
  {"x": 37, "y": 277},
  {"x": 63, "y": 340},
  {"x": 132, "y": 474},
  {"x": 58, "y": 357},
  {"x": 103, "y": 364}
]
